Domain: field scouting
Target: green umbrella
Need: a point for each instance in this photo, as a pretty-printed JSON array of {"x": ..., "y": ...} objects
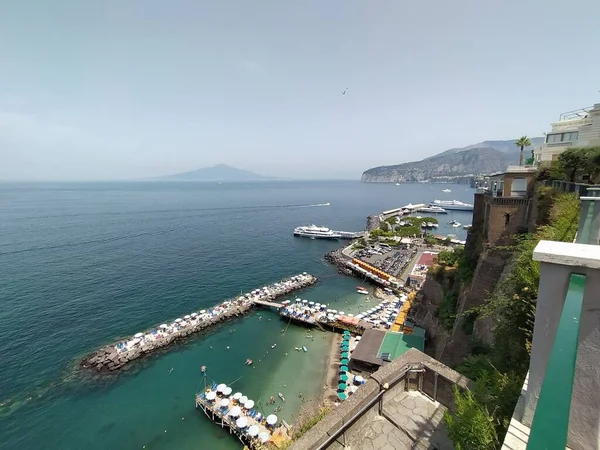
[
  {"x": 344, "y": 354},
  {"x": 342, "y": 396},
  {"x": 343, "y": 368},
  {"x": 344, "y": 344},
  {"x": 345, "y": 347},
  {"x": 346, "y": 337},
  {"x": 345, "y": 361},
  {"x": 342, "y": 386},
  {"x": 346, "y": 332},
  {"x": 344, "y": 377}
]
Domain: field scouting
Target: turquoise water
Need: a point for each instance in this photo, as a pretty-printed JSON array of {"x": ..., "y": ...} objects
[{"x": 85, "y": 263}]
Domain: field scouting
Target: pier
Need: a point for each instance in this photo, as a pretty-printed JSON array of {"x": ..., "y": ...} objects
[
  {"x": 350, "y": 234},
  {"x": 237, "y": 413},
  {"x": 117, "y": 355}
]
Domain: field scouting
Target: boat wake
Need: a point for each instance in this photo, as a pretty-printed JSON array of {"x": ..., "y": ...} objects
[{"x": 314, "y": 206}]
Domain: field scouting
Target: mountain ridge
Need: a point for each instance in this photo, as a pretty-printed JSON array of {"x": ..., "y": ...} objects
[
  {"x": 475, "y": 159},
  {"x": 220, "y": 172}
]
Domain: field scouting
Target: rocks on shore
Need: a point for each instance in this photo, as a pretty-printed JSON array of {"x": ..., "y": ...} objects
[
  {"x": 114, "y": 357},
  {"x": 337, "y": 258}
]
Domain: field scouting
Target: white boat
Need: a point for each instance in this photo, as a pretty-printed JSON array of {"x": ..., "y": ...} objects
[
  {"x": 434, "y": 225},
  {"x": 446, "y": 190},
  {"x": 429, "y": 224},
  {"x": 315, "y": 232},
  {"x": 466, "y": 227},
  {"x": 363, "y": 292},
  {"x": 397, "y": 184},
  {"x": 433, "y": 210},
  {"x": 305, "y": 349},
  {"x": 456, "y": 225},
  {"x": 455, "y": 205}
]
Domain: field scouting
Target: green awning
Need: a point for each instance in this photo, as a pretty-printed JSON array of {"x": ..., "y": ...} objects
[
  {"x": 342, "y": 396},
  {"x": 344, "y": 377},
  {"x": 342, "y": 386}
]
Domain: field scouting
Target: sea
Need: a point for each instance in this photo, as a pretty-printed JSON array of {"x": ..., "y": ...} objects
[{"x": 83, "y": 264}]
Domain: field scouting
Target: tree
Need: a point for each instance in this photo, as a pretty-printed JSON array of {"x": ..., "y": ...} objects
[
  {"x": 573, "y": 160},
  {"x": 522, "y": 142}
]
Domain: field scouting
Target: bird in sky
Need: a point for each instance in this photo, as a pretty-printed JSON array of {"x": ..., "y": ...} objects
[{"x": 345, "y": 90}]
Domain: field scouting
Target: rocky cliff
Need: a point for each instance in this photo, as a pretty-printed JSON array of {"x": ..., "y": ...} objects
[{"x": 467, "y": 162}]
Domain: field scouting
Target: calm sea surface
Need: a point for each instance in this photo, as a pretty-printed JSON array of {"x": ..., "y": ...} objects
[{"x": 82, "y": 264}]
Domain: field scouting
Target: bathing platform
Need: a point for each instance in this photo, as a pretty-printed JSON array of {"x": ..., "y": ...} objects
[
  {"x": 117, "y": 355},
  {"x": 240, "y": 416}
]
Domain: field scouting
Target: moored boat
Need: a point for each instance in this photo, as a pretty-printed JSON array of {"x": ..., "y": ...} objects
[{"x": 305, "y": 349}]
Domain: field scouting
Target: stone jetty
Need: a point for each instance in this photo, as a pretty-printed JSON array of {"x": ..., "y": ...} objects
[
  {"x": 115, "y": 356},
  {"x": 337, "y": 258}
]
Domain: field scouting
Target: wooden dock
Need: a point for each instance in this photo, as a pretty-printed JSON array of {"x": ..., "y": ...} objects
[{"x": 267, "y": 304}]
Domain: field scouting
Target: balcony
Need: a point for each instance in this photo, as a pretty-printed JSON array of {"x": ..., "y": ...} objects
[{"x": 560, "y": 400}]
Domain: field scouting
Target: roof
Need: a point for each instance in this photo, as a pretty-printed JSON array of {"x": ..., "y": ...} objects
[
  {"x": 396, "y": 344},
  {"x": 367, "y": 350},
  {"x": 427, "y": 259}
]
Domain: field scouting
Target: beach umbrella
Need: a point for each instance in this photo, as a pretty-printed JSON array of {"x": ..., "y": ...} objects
[
  {"x": 298, "y": 300},
  {"x": 359, "y": 379},
  {"x": 253, "y": 430},
  {"x": 227, "y": 391},
  {"x": 342, "y": 386},
  {"x": 211, "y": 395},
  {"x": 225, "y": 403},
  {"x": 243, "y": 399},
  {"x": 343, "y": 368},
  {"x": 138, "y": 335},
  {"x": 334, "y": 311},
  {"x": 237, "y": 395},
  {"x": 345, "y": 354},
  {"x": 342, "y": 313},
  {"x": 203, "y": 311},
  {"x": 264, "y": 437},
  {"x": 344, "y": 377},
  {"x": 249, "y": 404},
  {"x": 342, "y": 396},
  {"x": 304, "y": 301},
  {"x": 135, "y": 341},
  {"x": 178, "y": 320},
  {"x": 344, "y": 361},
  {"x": 358, "y": 338},
  {"x": 242, "y": 422},
  {"x": 163, "y": 326},
  {"x": 194, "y": 314},
  {"x": 311, "y": 303},
  {"x": 271, "y": 419},
  {"x": 220, "y": 387},
  {"x": 258, "y": 416},
  {"x": 350, "y": 315},
  {"x": 235, "y": 411},
  {"x": 186, "y": 317}
]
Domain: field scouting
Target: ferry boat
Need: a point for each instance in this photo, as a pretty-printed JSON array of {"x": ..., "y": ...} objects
[
  {"x": 455, "y": 205},
  {"x": 433, "y": 210},
  {"x": 315, "y": 232}
]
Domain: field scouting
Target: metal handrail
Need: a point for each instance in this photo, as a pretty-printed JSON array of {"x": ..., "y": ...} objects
[{"x": 550, "y": 425}]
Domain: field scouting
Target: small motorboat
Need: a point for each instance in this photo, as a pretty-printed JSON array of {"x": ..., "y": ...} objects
[
  {"x": 203, "y": 369},
  {"x": 248, "y": 362},
  {"x": 274, "y": 345},
  {"x": 423, "y": 225},
  {"x": 280, "y": 395},
  {"x": 446, "y": 190},
  {"x": 362, "y": 291},
  {"x": 297, "y": 349},
  {"x": 305, "y": 349},
  {"x": 466, "y": 227},
  {"x": 456, "y": 225}
]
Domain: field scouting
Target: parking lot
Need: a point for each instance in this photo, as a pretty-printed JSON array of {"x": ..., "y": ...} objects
[{"x": 390, "y": 260}]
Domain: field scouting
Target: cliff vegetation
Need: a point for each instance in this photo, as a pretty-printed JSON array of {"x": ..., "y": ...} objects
[{"x": 481, "y": 417}]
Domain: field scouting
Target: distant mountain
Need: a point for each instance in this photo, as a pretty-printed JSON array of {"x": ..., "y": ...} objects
[
  {"x": 482, "y": 158},
  {"x": 220, "y": 172}
]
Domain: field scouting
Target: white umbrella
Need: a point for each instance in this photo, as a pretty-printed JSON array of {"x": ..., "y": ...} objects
[
  {"x": 203, "y": 311},
  {"x": 134, "y": 341},
  {"x": 359, "y": 379},
  {"x": 211, "y": 395},
  {"x": 311, "y": 303},
  {"x": 253, "y": 430},
  {"x": 138, "y": 335},
  {"x": 271, "y": 419},
  {"x": 242, "y": 422},
  {"x": 237, "y": 395},
  {"x": 220, "y": 387},
  {"x": 164, "y": 325},
  {"x": 304, "y": 301},
  {"x": 350, "y": 315},
  {"x": 178, "y": 320},
  {"x": 249, "y": 404},
  {"x": 243, "y": 399},
  {"x": 194, "y": 314},
  {"x": 235, "y": 411},
  {"x": 187, "y": 316},
  {"x": 225, "y": 403},
  {"x": 334, "y": 311},
  {"x": 227, "y": 391},
  {"x": 298, "y": 300},
  {"x": 264, "y": 437},
  {"x": 342, "y": 313}
]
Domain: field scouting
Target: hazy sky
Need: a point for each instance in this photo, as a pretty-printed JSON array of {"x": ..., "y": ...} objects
[{"x": 127, "y": 89}]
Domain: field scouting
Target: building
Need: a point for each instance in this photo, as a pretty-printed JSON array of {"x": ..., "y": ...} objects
[
  {"x": 419, "y": 271},
  {"x": 579, "y": 128}
]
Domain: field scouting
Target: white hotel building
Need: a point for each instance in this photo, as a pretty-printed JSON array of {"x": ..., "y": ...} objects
[{"x": 579, "y": 128}]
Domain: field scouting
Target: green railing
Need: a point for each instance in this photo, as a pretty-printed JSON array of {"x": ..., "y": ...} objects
[{"x": 550, "y": 425}]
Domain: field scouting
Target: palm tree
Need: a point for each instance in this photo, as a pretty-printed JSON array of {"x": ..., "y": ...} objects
[{"x": 522, "y": 142}]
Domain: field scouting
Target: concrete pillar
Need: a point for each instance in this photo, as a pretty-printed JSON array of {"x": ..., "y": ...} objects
[{"x": 557, "y": 261}]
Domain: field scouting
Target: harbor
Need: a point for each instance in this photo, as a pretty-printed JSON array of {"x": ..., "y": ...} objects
[{"x": 115, "y": 356}]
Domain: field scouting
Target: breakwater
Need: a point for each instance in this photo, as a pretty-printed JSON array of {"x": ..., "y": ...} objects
[
  {"x": 337, "y": 259},
  {"x": 115, "y": 356}
]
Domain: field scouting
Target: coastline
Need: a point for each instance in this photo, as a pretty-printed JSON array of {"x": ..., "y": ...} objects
[{"x": 329, "y": 396}]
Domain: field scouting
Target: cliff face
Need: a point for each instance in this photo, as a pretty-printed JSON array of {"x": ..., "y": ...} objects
[{"x": 468, "y": 162}]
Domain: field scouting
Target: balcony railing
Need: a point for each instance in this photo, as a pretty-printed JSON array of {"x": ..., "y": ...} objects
[{"x": 550, "y": 426}]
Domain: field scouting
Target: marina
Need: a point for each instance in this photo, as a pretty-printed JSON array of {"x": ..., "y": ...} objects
[{"x": 117, "y": 355}]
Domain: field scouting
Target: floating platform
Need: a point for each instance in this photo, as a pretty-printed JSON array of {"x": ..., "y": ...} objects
[
  {"x": 117, "y": 355},
  {"x": 238, "y": 414}
]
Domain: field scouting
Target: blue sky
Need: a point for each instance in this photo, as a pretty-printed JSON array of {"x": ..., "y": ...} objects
[{"x": 127, "y": 89}]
